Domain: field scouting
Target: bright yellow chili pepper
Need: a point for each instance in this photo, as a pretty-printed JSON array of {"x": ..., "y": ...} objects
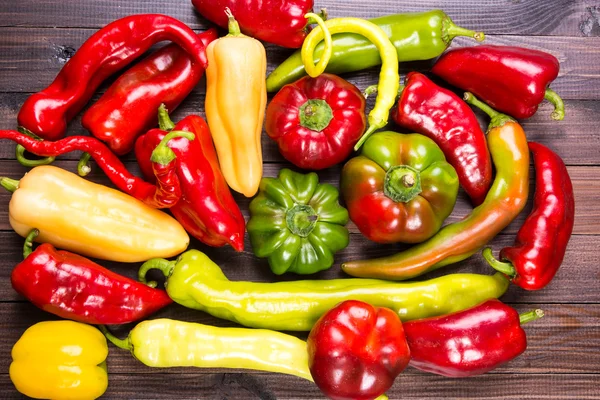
[
  {"x": 236, "y": 99},
  {"x": 90, "y": 219},
  {"x": 60, "y": 360}
]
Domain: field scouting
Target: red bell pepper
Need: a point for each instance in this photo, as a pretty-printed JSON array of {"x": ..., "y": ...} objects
[
  {"x": 513, "y": 80},
  {"x": 438, "y": 113},
  {"x": 316, "y": 121},
  {"x": 73, "y": 287},
  {"x": 206, "y": 209},
  {"x": 48, "y": 112},
  {"x": 280, "y": 22},
  {"x": 541, "y": 242},
  {"x": 165, "y": 193},
  {"x": 355, "y": 351},
  {"x": 127, "y": 109},
  {"x": 470, "y": 342}
]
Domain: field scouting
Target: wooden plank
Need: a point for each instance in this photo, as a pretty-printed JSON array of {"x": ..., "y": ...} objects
[{"x": 526, "y": 17}]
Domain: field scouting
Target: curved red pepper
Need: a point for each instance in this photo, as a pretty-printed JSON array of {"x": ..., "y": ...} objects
[
  {"x": 438, "y": 113},
  {"x": 316, "y": 121},
  {"x": 206, "y": 209},
  {"x": 470, "y": 342},
  {"x": 541, "y": 242},
  {"x": 47, "y": 113},
  {"x": 164, "y": 194},
  {"x": 355, "y": 351},
  {"x": 73, "y": 287},
  {"x": 513, "y": 80},
  {"x": 127, "y": 109},
  {"x": 280, "y": 22}
]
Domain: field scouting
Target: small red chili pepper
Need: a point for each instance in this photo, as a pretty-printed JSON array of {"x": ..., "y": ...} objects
[
  {"x": 164, "y": 194},
  {"x": 438, "y": 113},
  {"x": 541, "y": 242},
  {"x": 206, "y": 209},
  {"x": 281, "y": 22},
  {"x": 356, "y": 351},
  {"x": 513, "y": 80},
  {"x": 128, "y": 108},
  {"x": 470, "y": 342},
  {"x": 48, "y": 112},
  {"x": 73, "y": 287},
  {"x": 316, "y": 121}
]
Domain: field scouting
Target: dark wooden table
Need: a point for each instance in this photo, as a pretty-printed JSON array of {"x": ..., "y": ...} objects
[{"x": 563, "y": 359}]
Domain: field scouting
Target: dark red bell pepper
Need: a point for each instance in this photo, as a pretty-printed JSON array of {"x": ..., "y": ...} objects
[
  {"x": 165, "y": 193},
  {"x": 206, "y": 209},
  {"x": 48, "y": 112},
  {"x": 541, "y": 243},
  {"x": 73, "y": 287},
  {"x": 128, "y": 108},
  {"x": 513, "y": 80},
  {"x": 438, "y": 113},
  {"x": 470, "y": 342},
  {"x": 316, "y": 121},
  {"x": 280, "y": 22},
  {"x": 356, "y": 351}
]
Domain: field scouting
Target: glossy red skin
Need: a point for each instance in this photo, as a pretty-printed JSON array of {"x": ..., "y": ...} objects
[
  {"x": 306, "y": 148},
  {"x": 206, "y": 209},
  {"x": 280, "y": 22},
  {"x": 355, "y": 351},
  {"x": 512, "y": 80},
  {"x": 165, "y": 193},
  {"x": 73, "y": 287},
  {"x": 48, "y": 112},
  {"x": 128, "y": 108},
  {"x": 466, "y": 343},
  {"x": 438, "y": 113},
  {"x": 541, "y": 242}
]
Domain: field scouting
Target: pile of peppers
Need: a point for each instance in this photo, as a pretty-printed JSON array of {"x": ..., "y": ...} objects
[{"x": 397, "y": 188}]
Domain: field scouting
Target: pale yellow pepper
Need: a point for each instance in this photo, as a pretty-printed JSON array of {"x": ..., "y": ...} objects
[
  {"x": 60, "y": 360},
  {"x": 236, "y": 99},
  {"x": 90, "y": 219}
]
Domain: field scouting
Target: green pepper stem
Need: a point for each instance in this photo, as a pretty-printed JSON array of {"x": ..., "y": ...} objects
[
  {"x": 28, "y": 245},
  {"x": 453, "y": 30},
  {"x": 365, "y": 136},
  {"x": 163, "y": 154},
  {"x": 165, "y": 266},
  {"x": 124, "y": 344},
  {"x": 9, "y": 184},
  {"x": 315, "y": 114},
  {"x": 559, "y": 106},
  {"x": 164, "y": 121},
  {"x": 369, "y": 91},
  {"x": 505, "y": 267},
  {"x": 83, "y": 166},
  {"x": 20, "y": 152},
  {"x": 232, "y": 25},
  {"x": 497, "y": 119},
  {"x": 531, "y": 316}
]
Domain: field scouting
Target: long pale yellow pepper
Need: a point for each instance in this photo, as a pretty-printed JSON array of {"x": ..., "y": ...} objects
[
  {"x": 60, "y": 360},
  {"x": 236, "y": 98},
  {"x": 90, "y": 219}
]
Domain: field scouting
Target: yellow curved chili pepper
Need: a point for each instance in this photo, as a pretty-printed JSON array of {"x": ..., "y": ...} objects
[
  {"x": 236, "y": 99},
  {"x": 389, "y": 79},
  {"x": 90, "y": 219},
  {"x": 60, "y": 360}
]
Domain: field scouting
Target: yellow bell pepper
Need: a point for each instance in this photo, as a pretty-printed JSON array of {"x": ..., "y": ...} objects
[
  {"x": 60, "y": 360},
  {"x": 236, "y": 98},
  {"x": 90, "y": 219}
]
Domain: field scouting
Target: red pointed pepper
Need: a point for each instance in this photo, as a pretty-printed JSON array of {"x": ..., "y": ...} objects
[
  {"x": 206, "y": 209},
  {"x": 355, "y": 351},
  {"x": 470, "y": 342},
  {"x": 438, "y": 113},
  {"x": 127, "y": 109},
  {"x": 48, "y": 112},
  {"x": 540, "y": 246},
  {"x": 73, "y": 287},
  {"x": 513, "y": 80}
]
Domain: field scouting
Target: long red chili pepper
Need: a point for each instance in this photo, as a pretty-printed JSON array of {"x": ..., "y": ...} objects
[
  {"x": 438, "y": 113},
  {"x": 164, "y": 194},
  {"x": 128, "y": 108},
  {"x": 73, "y": 287},
  {"x": 207, "y": 209},
  {"x": 47, "y": 113},
  {"x": 540, "y": 245}
]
